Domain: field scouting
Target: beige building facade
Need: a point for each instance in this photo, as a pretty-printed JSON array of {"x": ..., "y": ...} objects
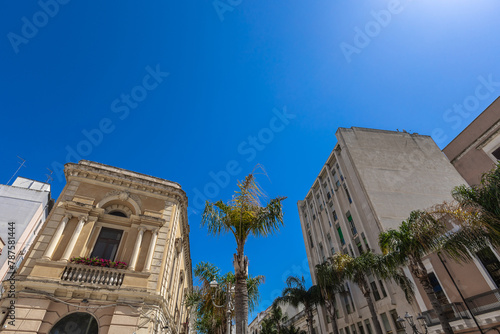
[
  {"x": 476, "y": 149},
  {"x": 136, "y": 222},
  {"x": 370, "y": 183}
]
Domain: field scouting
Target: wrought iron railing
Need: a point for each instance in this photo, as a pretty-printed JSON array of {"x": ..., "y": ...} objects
[{"x": 92, "y": 275}]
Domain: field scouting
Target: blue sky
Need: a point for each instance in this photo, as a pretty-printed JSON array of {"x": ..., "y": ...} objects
[{"x": 188, "y": 90}]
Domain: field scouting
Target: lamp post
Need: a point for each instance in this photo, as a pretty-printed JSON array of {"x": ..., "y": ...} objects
[
  {"x": 229, "y": 305},
  {"x": 408, "y": 318}
]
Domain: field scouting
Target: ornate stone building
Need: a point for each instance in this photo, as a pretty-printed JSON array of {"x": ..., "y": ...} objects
[{"x": 116, "y": 215}]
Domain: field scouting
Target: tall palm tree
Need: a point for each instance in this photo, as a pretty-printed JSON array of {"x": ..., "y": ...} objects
[
  {"x": 211, "y": 319},
  {"x": 243, "y": 216},
  {"x": 483, "y": 199},
  {"x": 296, "y": 293},
  {"x": 367, "y": 264},
  {"x": 331, "y": 279},
  {"x": 445, "y": 228},
  {"x": 415, "y": 238}
]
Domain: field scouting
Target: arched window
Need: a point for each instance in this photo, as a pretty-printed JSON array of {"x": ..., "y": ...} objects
[
  {"x": 76, "y": 323},
  {"x": 118, "y": 214}
]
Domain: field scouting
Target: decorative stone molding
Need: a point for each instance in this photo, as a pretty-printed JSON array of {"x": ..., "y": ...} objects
[
  {"x": 118, "y": 207},
  {"x": 122, "y": 196},
  {"x": 121, "y": 177}
]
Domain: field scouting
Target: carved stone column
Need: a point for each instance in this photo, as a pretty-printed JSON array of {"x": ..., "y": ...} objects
[
  {"x": 152, "y": 244},
  {"x": 135, "y": 252},
  {"x": 74, "y": 238},
  {"x": 57, "y": 236}
]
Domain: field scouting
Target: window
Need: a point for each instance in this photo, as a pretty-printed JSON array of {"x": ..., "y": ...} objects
[
  {"x": 496, "y": 153},
  {"x": 336, "y": 179},
  {"x": 351, "y": 222},
  {"x": 490, "y": 263},
  {"x": 365, "y": 241},
  {"x": 382, "y": 288},
  {"x": 347, "y": 194},
  {"x": 107, "y": 243},
  {"x": 438, "y": 290},
  {"x": 353, "y": 329},
  {"x": 387, "y": 325},
  {"x": 78, "y": 322},
  {"x": 322, "y": 252},
  {"x": 360, "y": 247},
  {"x": 368, "y": 327},
  {"x": 330, "y": 243},
  {"x": 117, "y": 213},
  {"x": 341, "y": 236},
  {"x": 328, "y": 195},
  {"x": 399, "y": 327},
  {"x": 334, "y": 214},
  {"x": 376, "y": 294},
  {"x": 311, "y": 244},
  {"x": 347, "y": 331},
  {"x": 361, "y": 329}
]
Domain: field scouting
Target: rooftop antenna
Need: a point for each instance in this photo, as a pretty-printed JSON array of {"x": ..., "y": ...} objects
[
  {"x": 21, "y": 163},
  {"x": 49, "y": 176}
]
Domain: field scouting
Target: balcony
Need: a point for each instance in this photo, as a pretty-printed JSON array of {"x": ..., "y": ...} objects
[
  {"x": 101, "y": 276},
  {"x": 479, "y": 304},
  {"x": 452, "y": 312},
  {"x": 484, "y": 302}
]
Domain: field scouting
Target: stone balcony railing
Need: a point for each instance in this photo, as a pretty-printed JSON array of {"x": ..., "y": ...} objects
[{"x": 93, "y": 275}]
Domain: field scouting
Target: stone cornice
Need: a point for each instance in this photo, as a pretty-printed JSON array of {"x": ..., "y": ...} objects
[{"x": 120, "y": 177}]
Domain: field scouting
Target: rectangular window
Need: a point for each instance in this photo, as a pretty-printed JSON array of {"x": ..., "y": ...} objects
[
  {"x": 399, "y": 327},
  {"x": 376, "y": 294},
  {"x": 387, "y": 325},
  {"x": 490, "y": 263},
  {"x": 360, "y": 327},
  {"x": 351, "y": 223},
  {"x": 382, "y": 288},
  {"x": 336, "y": 179},
  {"x": 365, "y": 241},
  {"x": 368, "y": 327},
  {"x": 353, "y": 329},
  {"x": 360, "y": 248},
  {"x": 341, "y": 236},
  {"x": 334, "y": 214},
  {"x": 347, "y": 331},
  {"x": 496, "y": 153},
  {"x": 347, "y": 194},
  {"x": 328, "y": 195},
  {"x": 107, "y": 244},
  {"x": 438, "y": 290},
  {"x": 341, "y": 331},
  {"x": 311, "y": 244}
]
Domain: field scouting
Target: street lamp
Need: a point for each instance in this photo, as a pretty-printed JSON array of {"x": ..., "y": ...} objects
[
  {"x": 214, "y": 285},
  {"x": 408, "y": 318}
]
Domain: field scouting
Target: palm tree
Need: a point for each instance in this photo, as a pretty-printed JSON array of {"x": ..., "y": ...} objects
[
  {"x": 367, "y": 264},
  {"x": 296, "y": 293},
  {"x": 243, "y": 216},
  {"x": 211, "y": 319},
  {"x": 483, "y": 199},
  {"x": 331, "y": 278},
  {"x": 415, "y": 238}
]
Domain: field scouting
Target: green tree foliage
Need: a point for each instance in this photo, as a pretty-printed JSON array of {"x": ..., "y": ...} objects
[
  {"x": 243, "y": 216},
  {"x": 211, "y": 319}
]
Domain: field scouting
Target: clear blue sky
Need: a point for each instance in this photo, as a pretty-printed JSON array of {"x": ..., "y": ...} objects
[{"x": 73, "y": 69}]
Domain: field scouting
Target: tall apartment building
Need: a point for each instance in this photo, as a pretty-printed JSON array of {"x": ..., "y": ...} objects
[
  {"x": 116, "y": 215},
  {"x": 25, "y": 205},
  {"x": 371, "y": 182}
]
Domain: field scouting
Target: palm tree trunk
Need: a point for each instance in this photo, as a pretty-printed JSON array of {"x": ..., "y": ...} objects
[
  {"x": 371, "y": 306},
  {"x": 420, "y": 272},
  {"x": 310, "y": 319},
  {"x": 240, "y": 291},
  {"x": 333, "y": 316}
]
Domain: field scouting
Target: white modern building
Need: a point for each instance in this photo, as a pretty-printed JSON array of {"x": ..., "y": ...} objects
[{"x": 24, "y": 206}]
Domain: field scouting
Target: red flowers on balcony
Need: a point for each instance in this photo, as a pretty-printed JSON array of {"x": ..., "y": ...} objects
[{"x": 97, "y": 262}]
